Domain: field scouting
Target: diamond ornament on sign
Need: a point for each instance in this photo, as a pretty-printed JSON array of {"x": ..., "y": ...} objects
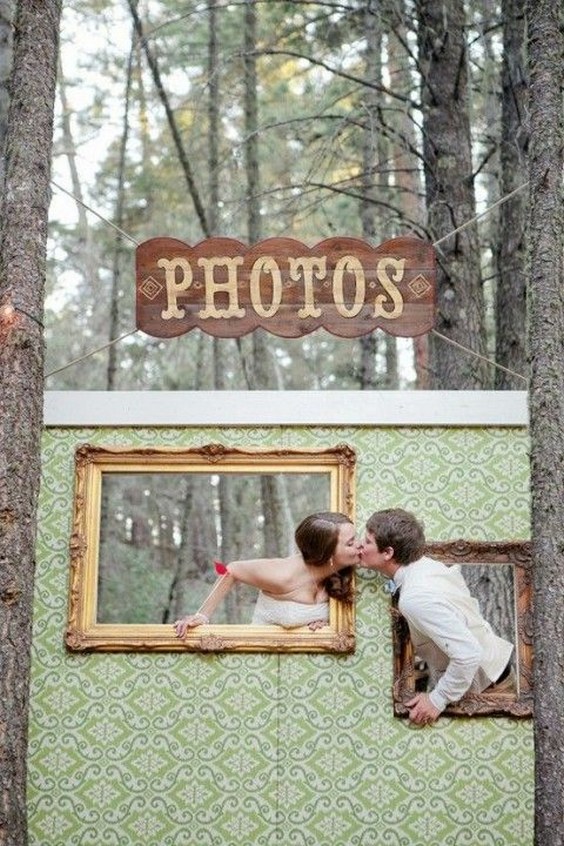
[
  {"x": 420, "y": 286},
  {"x": 150, "y": 288}
]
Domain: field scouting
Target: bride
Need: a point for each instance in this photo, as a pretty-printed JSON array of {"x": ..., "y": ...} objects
[{"x": 293, "y": 591}]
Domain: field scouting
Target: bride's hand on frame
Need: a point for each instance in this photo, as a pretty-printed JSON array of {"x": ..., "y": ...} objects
[{"x": 190, "y": 622}]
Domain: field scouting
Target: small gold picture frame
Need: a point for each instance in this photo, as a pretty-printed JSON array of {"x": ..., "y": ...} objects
[
  {"x": 499, "y": 575},
  {"x": 149, "y": 522}
]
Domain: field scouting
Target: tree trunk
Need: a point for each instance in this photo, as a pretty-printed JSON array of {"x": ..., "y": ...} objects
[
  {"x": 117, "y": 256},
  {"x": 22, "y": 284},
  {"x": 261, "y": 361},
  {"x": 391, "y": 379},
  {"x": 450, "y": 194},
  {"x": 368, "y": 352},
  {"x": 371, "y": 139},
  {"x": 70, "y": 153},
  {"x": 213, "y": 119},
  {"x": 87, "y": 257},
  {"x": 485, "y": 81},
  {"x": 273, "y": 493},
  {"x": 262, "y": 364},
  {"x": 6, "y": 46},
  {"x": 407, "y": 169},
  {"x": 493, "y": 587},
  {"x": 251, "y": 123},
  {"x": 546, "y": 403},
  {"x": 370, "y": 134},
  {"x": 218, "y": 345},
  {"x": 511, "y": 295}
]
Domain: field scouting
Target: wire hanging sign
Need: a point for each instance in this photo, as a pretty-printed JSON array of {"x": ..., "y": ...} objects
[
  {"x": 342, "y": 284},
  {"x": 139, "y": 327}
]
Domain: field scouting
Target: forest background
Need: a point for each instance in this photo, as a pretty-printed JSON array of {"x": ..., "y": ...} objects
[
  {"x": 298, "y": 119},
  {"x": 252, "y": 119}
]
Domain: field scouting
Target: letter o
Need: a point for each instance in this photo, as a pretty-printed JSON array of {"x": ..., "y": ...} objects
[
  {"x": 266, "y": 264},
  {"x": 352, "y": 265}
]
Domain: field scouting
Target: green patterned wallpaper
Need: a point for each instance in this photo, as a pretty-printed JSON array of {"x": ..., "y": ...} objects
[{"x": 277, "y": 750}]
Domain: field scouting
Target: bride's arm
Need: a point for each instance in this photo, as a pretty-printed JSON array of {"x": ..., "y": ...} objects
[
  {"x": 219, "y": 591},
  {"x": 262, "y": 573},
  {"x": 257, "y": 572}
]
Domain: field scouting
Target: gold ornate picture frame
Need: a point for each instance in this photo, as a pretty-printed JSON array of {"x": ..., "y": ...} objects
[
  {"x": 134, "y": 508},
  {"x": 515, "y": 559}
]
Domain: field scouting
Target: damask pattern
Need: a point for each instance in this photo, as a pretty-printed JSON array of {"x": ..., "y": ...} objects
[{"x": 277, "y": 750}]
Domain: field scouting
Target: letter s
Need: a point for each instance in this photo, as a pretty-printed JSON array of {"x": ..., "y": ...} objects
[{"x": 388, "y": 286}]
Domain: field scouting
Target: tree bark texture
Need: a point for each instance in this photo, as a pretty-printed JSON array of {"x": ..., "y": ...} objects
[
  {"x": 450, "y": 194},
  {"x": 406, "y": 169},
  {"x": 372, "y": 141},
  {"x": 251, "y": 123},
  {"x": 213, "y": 120},
  {"x": 511, "y": 293},
  {"x": 546, "y": 404},
  {"x": 485, "y": 106},
  {"x": 22, "y": 279},
  {"x": 113, "y": 322},
  {"x": 6, "y": 44}
]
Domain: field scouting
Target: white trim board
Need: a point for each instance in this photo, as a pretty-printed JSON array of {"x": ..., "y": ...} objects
[{"x": 285, "y": 408}]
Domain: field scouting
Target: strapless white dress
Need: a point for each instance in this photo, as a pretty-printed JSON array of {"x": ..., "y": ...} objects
[{"x": 287, "y": 613}]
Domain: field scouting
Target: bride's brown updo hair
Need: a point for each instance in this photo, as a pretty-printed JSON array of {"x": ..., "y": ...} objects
[{"x": 316, "y": 538}]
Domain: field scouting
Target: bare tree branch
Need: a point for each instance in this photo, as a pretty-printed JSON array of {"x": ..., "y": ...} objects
[{"x": 183, "y": 158}]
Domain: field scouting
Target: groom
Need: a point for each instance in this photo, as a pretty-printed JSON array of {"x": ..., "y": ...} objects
[{"x": 445, "y": 624}]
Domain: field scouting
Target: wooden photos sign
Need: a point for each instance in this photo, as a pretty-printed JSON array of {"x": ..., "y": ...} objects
[{"x": 228, "y": 289}]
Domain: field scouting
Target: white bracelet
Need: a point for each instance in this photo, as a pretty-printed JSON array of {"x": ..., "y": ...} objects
[{"x": 204, "y": 617}]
